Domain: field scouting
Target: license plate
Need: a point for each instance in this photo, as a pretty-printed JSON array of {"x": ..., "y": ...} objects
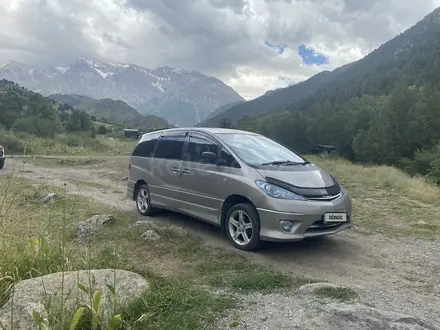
[{"x": 335, "y": 217}]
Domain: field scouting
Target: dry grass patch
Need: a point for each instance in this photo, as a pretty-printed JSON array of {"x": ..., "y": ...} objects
[{"x": 387, "y": 200}]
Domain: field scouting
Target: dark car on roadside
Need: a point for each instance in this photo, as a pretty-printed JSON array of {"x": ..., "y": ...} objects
[{"x": 2, "y": 157}]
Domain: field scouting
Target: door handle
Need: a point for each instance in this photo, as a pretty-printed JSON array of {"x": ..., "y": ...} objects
[
  {"x": 186, "y": 171},
  {"x": 175, "y": 170}
]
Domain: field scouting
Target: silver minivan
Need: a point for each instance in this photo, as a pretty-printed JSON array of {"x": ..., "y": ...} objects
[{"x": 252, "y": 187}]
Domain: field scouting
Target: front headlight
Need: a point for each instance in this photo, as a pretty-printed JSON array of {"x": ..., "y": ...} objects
[
  {"x": 342, "y": 190},
  {"x": 278, "y": 192}
]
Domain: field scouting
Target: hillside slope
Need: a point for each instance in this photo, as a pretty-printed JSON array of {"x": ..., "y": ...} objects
[
  {"x": 274, "y": 100},
  {"x": 409, "y": 58},
  {"x": 114, "y": 112},
  {"x": 24, "y": 111},
  {"x": 382, "y": 109},
  {"x": 182, "y": 97}
]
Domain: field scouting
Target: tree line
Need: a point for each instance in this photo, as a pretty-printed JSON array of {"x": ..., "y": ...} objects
[
  {"x": 24, "y": 111},
  {"x": 400, "y": 129}
]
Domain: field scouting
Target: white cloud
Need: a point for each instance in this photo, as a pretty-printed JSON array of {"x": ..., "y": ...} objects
[{"x": 224, "y": 38}]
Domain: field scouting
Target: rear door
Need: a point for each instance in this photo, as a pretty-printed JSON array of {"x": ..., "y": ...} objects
[
  {"x": 201, "y": 179},
  {"x": 166, "y": 167}
]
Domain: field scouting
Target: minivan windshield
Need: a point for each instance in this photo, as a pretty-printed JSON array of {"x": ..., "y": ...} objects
[{"x": 258, "y": 150}]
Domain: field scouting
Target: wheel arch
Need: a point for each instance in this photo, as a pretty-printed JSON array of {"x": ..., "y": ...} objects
[
  {"x": 138, "y": 184},
  {"x": 229, "y": 202}
]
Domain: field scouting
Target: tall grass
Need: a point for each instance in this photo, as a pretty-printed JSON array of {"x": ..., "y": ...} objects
[
  {"x": 33, "y": 248},
  {"x": 64, "y": 144},
  {"x": 387, "y": 178}
]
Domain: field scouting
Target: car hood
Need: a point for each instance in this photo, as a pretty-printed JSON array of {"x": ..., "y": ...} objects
[{"x": 305, "y": 176}]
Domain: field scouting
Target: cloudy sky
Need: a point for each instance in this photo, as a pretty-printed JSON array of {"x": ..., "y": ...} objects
[{"x": 252, "y": 45}]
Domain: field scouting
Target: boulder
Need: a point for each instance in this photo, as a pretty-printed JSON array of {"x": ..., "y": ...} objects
[
  {"x": 358, "y": 316},
  {"x": 32, "y": 295}
]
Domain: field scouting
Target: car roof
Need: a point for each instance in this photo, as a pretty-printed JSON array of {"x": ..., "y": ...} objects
[{"x": 209, "y": 130}]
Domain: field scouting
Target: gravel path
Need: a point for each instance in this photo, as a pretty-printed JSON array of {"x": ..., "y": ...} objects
[{"x": 307, "y": 312}]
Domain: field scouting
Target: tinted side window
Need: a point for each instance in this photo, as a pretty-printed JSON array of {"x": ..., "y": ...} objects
[
  {"x": 197, "y": 146},
  {"x": 228, "y": 160},
  {"x": 145, "y": 148},
  {"x": 170, "y": 147}
]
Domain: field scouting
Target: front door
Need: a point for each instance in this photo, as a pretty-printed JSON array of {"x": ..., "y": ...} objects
[{"x": 201, "y": 179}]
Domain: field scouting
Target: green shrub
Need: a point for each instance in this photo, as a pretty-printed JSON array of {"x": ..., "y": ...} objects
[{"x": 11, "y": 143}]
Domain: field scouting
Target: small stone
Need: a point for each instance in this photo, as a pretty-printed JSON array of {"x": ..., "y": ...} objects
[
  {"x": 85, "y": 229},
  {"x": 48, "y": 198},
  {"x": 178, "y": 230},
  {"x": 422, "y": 223},
  {"x": 146, "y": 223},
  {"x": 150, "y": 235},
  {"x": 310, "y": 288}
]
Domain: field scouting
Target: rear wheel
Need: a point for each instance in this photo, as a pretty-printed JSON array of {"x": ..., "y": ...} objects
[
  {"x": 2, "y": 163},
  {"x": 243, "y": 227},
  {"x": 143, "y": 201}
]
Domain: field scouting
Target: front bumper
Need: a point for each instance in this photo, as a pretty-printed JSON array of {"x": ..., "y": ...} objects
[{"x": 308, "y": 221}]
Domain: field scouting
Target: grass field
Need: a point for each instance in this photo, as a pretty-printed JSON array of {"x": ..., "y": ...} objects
[
  {"x": 37, "y": 240},
  {"x": 65, "y": 144}
]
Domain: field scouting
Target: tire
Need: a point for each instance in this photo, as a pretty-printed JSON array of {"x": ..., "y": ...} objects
[
  {"x": 2, "y": 163},
  {"x": 144, "y": 208},
  {"x": 246, "y": 213}
]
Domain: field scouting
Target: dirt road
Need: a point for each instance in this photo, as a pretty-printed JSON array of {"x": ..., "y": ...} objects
[{"x": 392, "y": 273}]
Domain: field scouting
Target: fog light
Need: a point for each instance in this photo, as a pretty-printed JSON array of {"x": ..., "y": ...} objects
[{"x": 286, "y": 225}]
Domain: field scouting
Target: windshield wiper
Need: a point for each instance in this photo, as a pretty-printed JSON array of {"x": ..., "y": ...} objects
[
  {"x": 297, "y": 163},
  {"x": 285, "y": 162}
]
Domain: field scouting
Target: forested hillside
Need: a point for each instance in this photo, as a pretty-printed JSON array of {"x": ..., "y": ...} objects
[
  {"x": 383, "y": 109},
  {"x": 24, "y": 111},
  {"x": 112, "y": 111},
  {"x": 411, "y": 58}
]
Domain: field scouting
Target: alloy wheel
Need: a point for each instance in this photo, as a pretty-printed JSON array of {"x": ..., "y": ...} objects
[{"x": 240, "y": 227}]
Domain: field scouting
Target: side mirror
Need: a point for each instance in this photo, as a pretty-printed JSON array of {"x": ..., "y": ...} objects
[{"x": 209, "y": 156}]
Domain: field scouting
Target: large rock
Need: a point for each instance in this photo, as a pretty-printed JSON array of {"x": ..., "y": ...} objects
[
  {"x": 29, "y": 295},
  {"x": 361, "y": 317}
]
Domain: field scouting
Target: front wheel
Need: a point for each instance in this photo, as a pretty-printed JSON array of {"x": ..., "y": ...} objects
[
  {"x": 2, "y": 163},
  {"x": 143, "y": 201},
  {"x": 243, "y": 227}
]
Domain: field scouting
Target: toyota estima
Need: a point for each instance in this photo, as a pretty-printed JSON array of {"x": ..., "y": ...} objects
[{"x": 252, "y": 187}]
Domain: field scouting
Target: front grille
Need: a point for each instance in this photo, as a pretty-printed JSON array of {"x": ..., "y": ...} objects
[
  {"x": 1, "y": 154},
  {"x": 320, "y": 224},
  {"x": 325, "y": 198}
]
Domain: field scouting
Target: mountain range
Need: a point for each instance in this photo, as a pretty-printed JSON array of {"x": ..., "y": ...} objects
[{"x": 182, "y": 97}]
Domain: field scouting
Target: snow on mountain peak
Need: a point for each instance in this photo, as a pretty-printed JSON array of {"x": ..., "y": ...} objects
[
  {"x": 62, "y": 69},
  {"x": 184, "y": 97}
]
